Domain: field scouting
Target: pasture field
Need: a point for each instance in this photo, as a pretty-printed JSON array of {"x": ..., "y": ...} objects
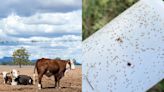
[{"x": 71, "y": 82}]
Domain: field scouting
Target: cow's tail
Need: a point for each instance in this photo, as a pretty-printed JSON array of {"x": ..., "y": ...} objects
[{"x": 34, "y": 80}]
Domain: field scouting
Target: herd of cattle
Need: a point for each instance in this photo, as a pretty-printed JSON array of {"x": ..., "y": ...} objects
[{"x": 44, "y": 66}]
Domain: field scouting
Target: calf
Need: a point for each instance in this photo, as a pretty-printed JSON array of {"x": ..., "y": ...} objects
[
  {"x": 51, "y": 67},
  {"x": 21, "y": 79},
  {"x": 24, "y": 80},
  {"x": 14, "y": 73},
  {"x": 7, "y": 78}
]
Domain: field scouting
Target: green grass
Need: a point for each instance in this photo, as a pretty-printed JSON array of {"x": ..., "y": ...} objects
[
  {"x": 158, "y": 87},
  {"x": 96, "y": 13}
]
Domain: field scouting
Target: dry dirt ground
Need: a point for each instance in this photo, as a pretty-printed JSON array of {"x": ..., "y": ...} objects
[{"x": 71, "y": 82}]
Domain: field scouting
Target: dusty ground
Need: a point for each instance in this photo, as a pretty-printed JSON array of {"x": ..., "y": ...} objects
[{"x": 71, "y": 82}]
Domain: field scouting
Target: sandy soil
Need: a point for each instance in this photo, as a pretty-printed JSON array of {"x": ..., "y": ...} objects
[{"x": 71, "y": 82}]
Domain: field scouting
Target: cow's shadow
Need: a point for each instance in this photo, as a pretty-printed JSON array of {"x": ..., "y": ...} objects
[{"x": 55, "y": 87}]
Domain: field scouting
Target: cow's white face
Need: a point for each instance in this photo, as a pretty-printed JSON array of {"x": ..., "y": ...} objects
[
  {"x": 67, "y": 66},
  {"x": 4, "y": 74},
  {"x": 72, "y": 65},
  {"x": 14, "y": 73}
]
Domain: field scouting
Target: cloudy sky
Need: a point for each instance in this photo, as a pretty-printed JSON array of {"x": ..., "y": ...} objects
[{"x": 46, "y": 28}]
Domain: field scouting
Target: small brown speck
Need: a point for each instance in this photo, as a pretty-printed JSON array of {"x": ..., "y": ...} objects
[{"x": 119, "y": 40}]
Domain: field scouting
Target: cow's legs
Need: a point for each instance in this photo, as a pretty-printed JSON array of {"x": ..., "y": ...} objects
[
  {"x": 58, "y": 79},
  {"x": 55, "y": 78},
  {"x": 59, "y": 83},
  {"x": 39, "y": 80},
  {"x": 5, "y": 81}
]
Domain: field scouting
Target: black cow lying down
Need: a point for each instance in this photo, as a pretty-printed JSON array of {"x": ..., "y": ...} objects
[{"x": 24, "y": 80}]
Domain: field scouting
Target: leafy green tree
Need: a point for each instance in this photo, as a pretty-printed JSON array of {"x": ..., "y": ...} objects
[
  {"x": 4, "y": 63},
  {"x": 58, "y": 58},
  {"x": 74, "y": 60},
  {"x": 20, "y": 57},
  {"x": 96, "y": 13},
  {"x": 158, "y": 87}
]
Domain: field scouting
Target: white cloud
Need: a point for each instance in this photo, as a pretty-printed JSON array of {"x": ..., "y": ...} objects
[
  {"x": 42, "y": 23},
  {"x": 2, "y": 33},
  {"x": 48, "y": 39},
  {"x": 60, "y": 2},
  {"x": 57, "y": 44},
  {"x": 46, "y": 28},
  {"x": 30, "y": 7},
  {"x": 67, "y": 46},
  {"x": 46, "y": 49},
  {"x": 73, "y": 17}
]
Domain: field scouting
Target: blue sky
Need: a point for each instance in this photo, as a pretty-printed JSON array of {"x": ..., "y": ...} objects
[{"x": 46, "y": 28}]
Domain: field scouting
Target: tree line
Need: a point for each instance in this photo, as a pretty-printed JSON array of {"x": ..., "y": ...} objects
[{"x": 21, "y": 57}]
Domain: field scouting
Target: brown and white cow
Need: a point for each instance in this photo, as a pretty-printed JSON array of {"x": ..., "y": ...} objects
[
  {"x": 51, "y": 67},
  {"x": 6, "y": 77}
]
